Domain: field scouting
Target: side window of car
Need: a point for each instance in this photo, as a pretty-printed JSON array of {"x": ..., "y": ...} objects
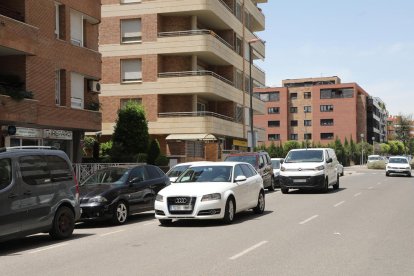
[
  {"x": 246, "y": 170},
  {"x": 139, "y": 173},
  {"x": 59, "y": 168},
  {"x": 5, "y": 173},
  {"x": 34, "y": 170},
  {"x": 153, "y": 172},
  {"x": 238, "y": 171},
  {"x": 262, "y": 161}
]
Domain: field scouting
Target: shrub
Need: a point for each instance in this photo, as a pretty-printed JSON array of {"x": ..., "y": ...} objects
[
  {"x": 161, "y": 160},
  {"x": 106, "y": 148},
  {"x": 153, "y": 152},
  {"x": 142, "y": 158}
]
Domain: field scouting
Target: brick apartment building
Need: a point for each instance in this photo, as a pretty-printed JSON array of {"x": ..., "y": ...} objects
[
  {"x": 319, "y": 110},
  {"x": 49, "y": 55},
  {"x": 187, "y": 62}
]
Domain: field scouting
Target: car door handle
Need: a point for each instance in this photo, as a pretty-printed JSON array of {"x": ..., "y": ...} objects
[
  {"x": 28, "y": 193},
  {"x": 12, "y": 196}
]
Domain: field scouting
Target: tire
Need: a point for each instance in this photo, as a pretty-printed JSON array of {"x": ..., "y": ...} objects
[
  {"x": 259, "y": 209},
  {"x": 120, "y": 213},
  {"x": 387, "y": 174},
  {"x": 284, "y": 190},
  {"x": 326, "y": 186},
  {"x": 409, "y": 174},
  {"x": 165, "y": 222},
  {"x": 229, "y": 211},
  {"x": 272, "y": 185},
  {"x": 63, "y": 223},
  {"x": 336, "y": 185}
]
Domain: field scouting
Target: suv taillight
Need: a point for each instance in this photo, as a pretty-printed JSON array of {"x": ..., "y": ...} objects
[{"x": 76, "y": 185}]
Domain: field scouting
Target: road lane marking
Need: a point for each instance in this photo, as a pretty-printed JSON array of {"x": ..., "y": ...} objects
[
  {"x": 340, "y": 203},
  {"x": 370, "y": 188},
  {"x": 110, "y": 233},
  {"x": 48, "y": 248},
  {"x": 358, "y": 194},
  {"x": 248, "y": 250},
  {"x": 309, "y": 219},
  {"x": 379, "y": 183}
]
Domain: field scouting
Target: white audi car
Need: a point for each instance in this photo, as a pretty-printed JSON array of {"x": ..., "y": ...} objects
[{"x": 216, "y": 190}]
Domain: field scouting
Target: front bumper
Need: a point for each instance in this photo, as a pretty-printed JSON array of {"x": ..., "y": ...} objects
[
  {"x": 303, "y": 182},
  {"x": 398, "y": 170},
  {"x": 96, "y": 212},
  {"x": 213, "y": 209}
]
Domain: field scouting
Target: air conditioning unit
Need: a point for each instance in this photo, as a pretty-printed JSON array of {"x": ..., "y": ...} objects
[{"x": 94, "y": 86}]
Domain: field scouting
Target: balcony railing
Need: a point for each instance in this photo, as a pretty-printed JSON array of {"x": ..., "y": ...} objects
[
  {"x": 195, "y": 114},
  {"x": 196, "y": 32},
  {"x": 194, "y": 73},
  {"x": 11, "y": 13},
  {"x": 225, "y": 5}
]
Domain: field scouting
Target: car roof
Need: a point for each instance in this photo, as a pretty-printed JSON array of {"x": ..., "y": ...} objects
[
  {"x": 191, "y": 163},
  {"x": 310, "y": 149},
  {"x": 399, "y": 156},
  {"x": 247, "y": 153},
  {"x": 223, "y": 163}
]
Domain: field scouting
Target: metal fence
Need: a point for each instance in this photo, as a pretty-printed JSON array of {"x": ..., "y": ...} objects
[{"x": 83, "y": 170}]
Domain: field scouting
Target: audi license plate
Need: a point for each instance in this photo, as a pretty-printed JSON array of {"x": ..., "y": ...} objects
[
  {"x": 180, "y": 207},
  {"x": 299, "y": 180}
]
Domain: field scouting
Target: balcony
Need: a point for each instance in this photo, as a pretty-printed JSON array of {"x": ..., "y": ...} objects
[
  {"x": 24, "y": 111},
  {"x": 194, "y": 73},
  {"x": 196, "y": 122}
]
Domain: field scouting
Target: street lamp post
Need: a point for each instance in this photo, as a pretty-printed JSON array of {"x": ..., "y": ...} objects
[
  {"x": 362, "y": 149},
  {"x": 373, "y": 144},
  {"x": 251, "y": 92}
]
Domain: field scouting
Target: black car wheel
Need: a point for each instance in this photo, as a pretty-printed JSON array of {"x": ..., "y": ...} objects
[
  {"x": 229, "y": 211},
  {"x": 259, "y": 209},
  {"x": 63, "y": 223},
  {"x": 325, "y": 186},
  {"x": 120, "y": 214},
  {"x": 272, "y": 184},
  {"x": 284, "y": 190},
  {"x": 336, "y": 185}
]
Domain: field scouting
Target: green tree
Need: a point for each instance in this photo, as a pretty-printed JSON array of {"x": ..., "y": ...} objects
[
  {"x": 272, "y": 150},
  {"x": 353, "y": 155},
  {"x": 131, "y": 133},
  {"x": 153, "y": 151},
  {"x": 347, "y": 150},
  {"x": 287, "y": 146},
  {"x": 339, "y": 150},
  {"x": 402, "y": 130}
]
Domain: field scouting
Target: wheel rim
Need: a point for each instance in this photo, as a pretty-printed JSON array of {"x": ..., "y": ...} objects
[
  {"x": 231, "y": 210},
  {"x": 261, "y": 202},
  {"x": 121, "y": 212},
  {"x": 64, "y": 223}
]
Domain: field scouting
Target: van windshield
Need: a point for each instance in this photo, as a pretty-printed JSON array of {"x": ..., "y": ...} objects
[{"x": 304, "y": 156}]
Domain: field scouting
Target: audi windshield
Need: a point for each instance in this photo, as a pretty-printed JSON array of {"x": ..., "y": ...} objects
[
  {"x": 299, "y": 156},
  {"x": 206, "y": 174}
]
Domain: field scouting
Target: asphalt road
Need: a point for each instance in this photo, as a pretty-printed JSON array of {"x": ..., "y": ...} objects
[{"x": 364, "y": 228}]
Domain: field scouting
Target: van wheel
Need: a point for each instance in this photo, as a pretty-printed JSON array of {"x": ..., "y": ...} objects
[
  {"x": 63, "y": 223},
  {"x": 229, "y": 211},
  {"x": 326, "y": 186},
  {"x": 336, "y": 185},
  {"x": 259, "y": 209},
  {"x": 387, "y": 174},
  {"x": 284, "y": 190},
  {"x": 272, "y": 185}
]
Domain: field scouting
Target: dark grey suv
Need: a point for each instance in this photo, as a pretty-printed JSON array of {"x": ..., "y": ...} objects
[{"x": 38, "y": 193}]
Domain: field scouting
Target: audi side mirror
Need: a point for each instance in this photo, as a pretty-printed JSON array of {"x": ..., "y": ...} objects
[{"x": 240, "y": 178}]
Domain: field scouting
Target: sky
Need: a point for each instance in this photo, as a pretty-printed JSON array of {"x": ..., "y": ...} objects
[{"x": 370, "y": 42}]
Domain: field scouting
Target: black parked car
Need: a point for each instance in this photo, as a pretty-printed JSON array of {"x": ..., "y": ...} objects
[{"x": 115, "y": 193}]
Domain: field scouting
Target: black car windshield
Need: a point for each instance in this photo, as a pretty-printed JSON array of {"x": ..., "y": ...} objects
[
  {"x": 177, "y": 170},
  {"x": 304, "y": 156},
  {"x": 117, "y": 176},
  {"x": 251, "y": 159},
  {"x": 398, "y": 160},
  {"x": 276, "y": 164},
  {"x": 206, "y": 174}
]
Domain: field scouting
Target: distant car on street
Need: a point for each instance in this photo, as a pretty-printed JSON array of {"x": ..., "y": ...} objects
[
  {"x": 276, "y": 163},
  {"x": 340, "y": 168},
  {"x": 398, "y": 165},
  {"x": 115, "y": 193}
]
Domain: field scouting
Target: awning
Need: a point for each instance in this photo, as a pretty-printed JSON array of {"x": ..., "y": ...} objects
[{"x": 192, "y": 137}]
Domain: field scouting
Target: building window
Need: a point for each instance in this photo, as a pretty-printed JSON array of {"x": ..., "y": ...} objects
[
  {"x": 57, "y": 88},
  {"x": 238, "y": 45},
  {"x": 239, "y": 79},
  {"x": 239, "y": 114},
  {"x": 293, "y": 123},
  {"x": 327, "y": 108},
  {"x": 273, "y": 137},
  {"x": 57, "y": 20},
  {"x": 293, "y": 96},
  {"x": 201, "y": 107},
  {"x": 293, "y": 109},
  {"x": 238, "y": 11},
  {"x": 273, "y": 124},
  {"x": 307, "y": 136},
  {"x": 337, "y": 93},
  {"x": 307, "y": 122},
  {"x": 131, "y": 70},
  {"x": 77, "y": 82},
  {"x": 76, "y": 28},
  {"x": 293, "y": 136},
  {"x": 327, "y": 136},
  {"x": 327, "y": 122},
  {"x": 269, "y": 97},
  {"x": 124, "y": 101},
  {"x": 307, "y": 95},
  {"x": 307, "y": 109},
  {"x": 246, "y": 51},
  {"x": 273, "y": 110},
  {"x": 131, "y": 30}
]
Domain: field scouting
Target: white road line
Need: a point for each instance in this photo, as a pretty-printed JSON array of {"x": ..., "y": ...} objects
[
  {"x": 358, "y": 194},
  {"x": 370, "y": 188},
  {"x": 340, "y": 203},
  {"x": 379, "y": 183},
  {"x": 248, "y": 250},
  {"x": 149, "y": 223},
  {"x": 110, "y": 233},
  {"x": 47, "y": 248},
  {"x": 309, "y": 219}
]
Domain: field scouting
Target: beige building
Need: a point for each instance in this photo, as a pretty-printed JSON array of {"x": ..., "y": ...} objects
[{"x": 187, "y": 62}]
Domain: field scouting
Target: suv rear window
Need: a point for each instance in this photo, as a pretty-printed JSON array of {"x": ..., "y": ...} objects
[
  {"x": 5, "y": 173},
  {"x": 304, "y": 156},
  {"x": 251, "y": 159}
]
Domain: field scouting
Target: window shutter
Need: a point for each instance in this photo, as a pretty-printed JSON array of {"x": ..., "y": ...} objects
[
  {"x": 76, "y": 28},
  {"x": 131, "y": 70},
  {"x": 131, "y": 30}
]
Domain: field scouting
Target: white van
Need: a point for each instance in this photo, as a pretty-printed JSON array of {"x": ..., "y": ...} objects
[{"x": 310, "y": 169}]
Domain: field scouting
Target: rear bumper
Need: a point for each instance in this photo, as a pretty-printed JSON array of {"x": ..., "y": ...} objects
[{"x": 302, "y": 182}]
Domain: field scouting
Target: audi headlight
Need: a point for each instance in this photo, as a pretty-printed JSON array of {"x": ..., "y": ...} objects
[
  {"x": 319, "y": 168},
  {"x": 159, "y": 198},
  {"x": 208, "y": 197},
  {"x": 98, "y": 199}
]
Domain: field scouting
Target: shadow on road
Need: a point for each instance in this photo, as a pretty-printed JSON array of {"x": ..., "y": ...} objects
[
  {"x": 131, "y": 219},
  {"x": 301, "y": 192},
  {"x": 16, "y": 247}
]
